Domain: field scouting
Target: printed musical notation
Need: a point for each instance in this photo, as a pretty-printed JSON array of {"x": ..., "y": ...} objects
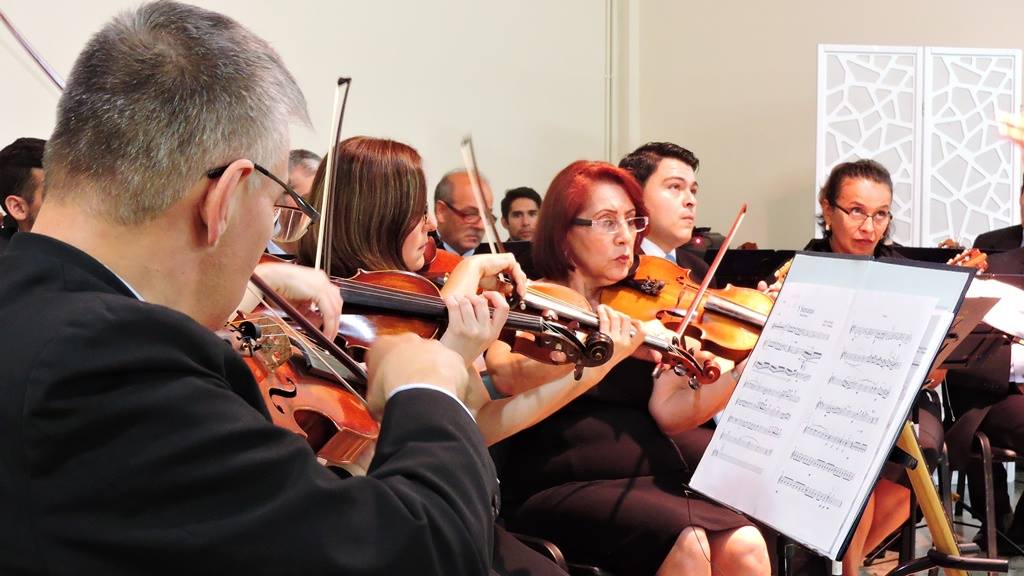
[
  {"x": 764, "y": 408},
  {"x": 856, "y": 359},
  {"x": 801, "y": 331},
  {"x": 805, "y": 355},
  {"x": 865, "y": 416},
  {"x": 837, "y": 440},
  {"x": 820, "y": 496},
  {"x": 824, "y": 466},
  {"x": 862, "y": 385},
  {"x": 773, "y": 431},
  {"x": 877, "y": 335},
  {"x": 789, "y": 394},
  {"x": 742, "y": 463},
  {"x": 746, "y": 442},
  {"x": 772, "y": 369}
]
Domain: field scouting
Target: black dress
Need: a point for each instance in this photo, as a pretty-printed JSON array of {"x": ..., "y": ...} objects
[
  {"x": 601, "y": 480},
  {"x": 927, "y": 410}
]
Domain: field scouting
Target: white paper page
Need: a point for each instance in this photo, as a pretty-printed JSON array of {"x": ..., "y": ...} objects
[
  {"x": 1008, "y": 314},
  {"x": 834, "y": 374}
]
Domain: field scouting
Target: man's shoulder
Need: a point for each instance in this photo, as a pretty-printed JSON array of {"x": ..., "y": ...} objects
[{"x": 1001, "y": 238}]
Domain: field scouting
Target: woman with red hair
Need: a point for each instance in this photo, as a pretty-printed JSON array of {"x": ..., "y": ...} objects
[{"x": 600, "y": 477}]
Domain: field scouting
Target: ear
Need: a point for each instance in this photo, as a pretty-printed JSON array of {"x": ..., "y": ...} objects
[
  {"x": 825, "y": 212},
  {"x": 16, "y": 207},
  {"x": 439, "y": 214},
  {"x": 504, "y": 223},
  {"x": 218, "y": 199}
]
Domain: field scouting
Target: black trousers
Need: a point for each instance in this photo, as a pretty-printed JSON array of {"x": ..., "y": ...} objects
[{"x": 1004, "y": 426}]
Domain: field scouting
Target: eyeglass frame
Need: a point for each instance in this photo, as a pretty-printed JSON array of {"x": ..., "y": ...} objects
[
  {"x": 468, "y": 218},
  {"x": 588, "y": 222},
  {"x": 304, "y": 206},
  {"x": 888, "y": 215}
]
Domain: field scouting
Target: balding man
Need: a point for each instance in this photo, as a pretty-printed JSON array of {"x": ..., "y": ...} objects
[{"x": 460, "y": 224}]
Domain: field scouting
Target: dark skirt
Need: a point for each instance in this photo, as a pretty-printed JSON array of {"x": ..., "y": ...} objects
[{"x": 626, "y": 526}]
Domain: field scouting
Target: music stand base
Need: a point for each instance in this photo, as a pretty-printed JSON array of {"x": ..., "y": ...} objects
[{"x": 936, "y": 559}]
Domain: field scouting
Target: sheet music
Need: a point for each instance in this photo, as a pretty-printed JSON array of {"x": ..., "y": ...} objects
[{"x": 823, "y": 395}]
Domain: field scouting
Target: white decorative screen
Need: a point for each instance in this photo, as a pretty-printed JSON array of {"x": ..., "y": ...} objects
[{"x": 926, "y": 114}]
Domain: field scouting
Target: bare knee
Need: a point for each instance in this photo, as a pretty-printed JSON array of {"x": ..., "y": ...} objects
[
  {"x": 690, "y": 554},
  {"x": 740, "y": 551}
]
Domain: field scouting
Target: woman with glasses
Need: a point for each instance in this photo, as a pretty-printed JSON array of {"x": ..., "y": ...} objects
[
  {"x": 600, "y": 477},
  {"x": 380, "y": 223},
  {"x": 856, "y": 212}
]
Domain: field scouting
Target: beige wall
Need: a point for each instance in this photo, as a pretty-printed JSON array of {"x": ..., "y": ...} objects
[
  {"x": 736, "y": 82},
  {"x": 525, "y": 77}
]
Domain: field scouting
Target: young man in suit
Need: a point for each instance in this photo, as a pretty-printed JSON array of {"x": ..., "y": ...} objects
[
  {"x": 21, "y": 186},
  {"x": 1004, "y": 238},
  {"x": 668, "y": 174},
  {"x": 133, "y": 440}
]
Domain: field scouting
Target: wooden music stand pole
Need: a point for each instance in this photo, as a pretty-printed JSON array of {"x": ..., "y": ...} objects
[{"x": 945, "y": 552}]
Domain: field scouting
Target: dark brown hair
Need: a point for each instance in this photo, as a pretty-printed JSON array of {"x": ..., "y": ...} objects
[{"x": 379, "y": 196}]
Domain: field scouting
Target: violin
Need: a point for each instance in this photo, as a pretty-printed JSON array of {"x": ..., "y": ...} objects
[
  {"x": 728, "y": 321},
  {"x": 308, "y": 387},
  {"x": 970, "y": 258},
  {"x": 392, "y": 302},
  {"x": 438, "y": 264},
  {"x": 564, "y": 303}
]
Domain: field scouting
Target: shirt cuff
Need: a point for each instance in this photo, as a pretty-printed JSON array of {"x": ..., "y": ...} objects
[{"x": 431, "y": 387}]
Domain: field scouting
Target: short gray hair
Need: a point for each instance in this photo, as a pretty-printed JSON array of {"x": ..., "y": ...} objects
[
  {"x": 158, "y": 97},
  {"x": 309, "y": 161}
]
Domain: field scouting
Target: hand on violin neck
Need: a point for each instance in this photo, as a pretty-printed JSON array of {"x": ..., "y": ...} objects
[
  {"x": 771, "y": 291},
  {"x": 310, "y": 290},
  {"x": 395, "y": 361},
  {"x": 627, "y": 334},
  {"x": 481, "y": 272},
  {"x": 472, "y": 326}
]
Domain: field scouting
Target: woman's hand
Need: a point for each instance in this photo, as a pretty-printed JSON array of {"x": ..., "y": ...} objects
[
  {"x": 771, "y": 291},
  {"x": 309, "y": 289},
  {"x": 627, "y": 334},
  {"x": 480, "y": 272},
  {"x": 472, "y": 326}
]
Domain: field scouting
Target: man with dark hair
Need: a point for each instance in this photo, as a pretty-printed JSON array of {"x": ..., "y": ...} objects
[
  {"x": 1004, "y": 238},
  {"x": 460, "y": 225},
  {"x": 519, "y": 209},
  {"x": 667, "y": 173},
  {"x": 21, "y": 186},
  {"x": 133, "y": 440}
]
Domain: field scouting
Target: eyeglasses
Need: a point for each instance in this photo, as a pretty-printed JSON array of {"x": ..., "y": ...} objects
[
  {"x": 470, "y": 216},
  {"x": 859, "y": 216},
  {"x": 613, "y": 225},
  {"x": 290, "y": 222}
]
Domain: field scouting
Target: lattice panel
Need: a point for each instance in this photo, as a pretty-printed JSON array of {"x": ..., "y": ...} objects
[
  {"x": 971, "y": 175},
  {"x": 868, "y": 107}
]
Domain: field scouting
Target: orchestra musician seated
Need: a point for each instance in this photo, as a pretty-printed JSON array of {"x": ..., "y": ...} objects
[
  {"x": 460, "y": 225},
  {"x": 21, "y": 186},
  {"x": 135, "y": 441},
  {"x": 600, "y": 477},
  {"x": 856, "y": 213},
  {"x": 519, "y": 210}
]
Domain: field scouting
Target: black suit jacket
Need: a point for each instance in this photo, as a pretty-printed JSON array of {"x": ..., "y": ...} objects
[
  {"x": 973, "y": 392},
  {"x": 133, "y": 441},
  {"x": 1002, "y": 239}
]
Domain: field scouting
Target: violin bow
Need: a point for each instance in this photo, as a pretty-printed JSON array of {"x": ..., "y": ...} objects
[
  {"x": 691, "y": 312},
  {"x": 490, "y": 228},
  {"x": 325, "y": 228},
  {"x": 50, "y": 72}
]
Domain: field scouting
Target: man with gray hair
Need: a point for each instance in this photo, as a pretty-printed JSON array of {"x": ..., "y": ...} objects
[
  {"x": 133, "y": 440},
  {"x": 460, "y": 224}
]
